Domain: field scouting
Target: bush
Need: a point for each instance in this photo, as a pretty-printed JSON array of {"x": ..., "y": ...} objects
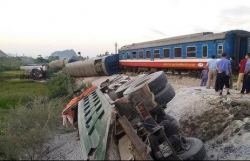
[
  {"x": 60, "y": 85},
  {"x": 86, "y": 85},
  {"x": 24, "y": 130}
]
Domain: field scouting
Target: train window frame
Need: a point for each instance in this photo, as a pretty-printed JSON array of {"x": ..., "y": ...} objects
[
  {"x": 158, "y": 54},
  {"x": 191, "y": 51},
  {"x": 128, "y": 55},
  {"x": 149, "y": 54},
  {"x": 219, "y": 49},
  {"x": 203, "y": 51},
  {"x": 123, "y": 56},
  {"x": 140, "y": 56},
  {"x": 134, "y": 54},
  {"x": 174, "y": 52},
  {"x": 164, "y": 53}
]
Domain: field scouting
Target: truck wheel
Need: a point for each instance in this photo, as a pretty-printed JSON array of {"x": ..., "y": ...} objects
[
  {"x": 156, "y": 81},
  {"x": 195, "y": 151},
  {"x": 126, "y": 85},
  {"x": 170, "y": 125},
  {"x": 165, "y": 95}
]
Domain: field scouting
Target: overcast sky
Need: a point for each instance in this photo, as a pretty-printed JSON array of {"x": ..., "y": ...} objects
[{"x": 40, "y": 27}]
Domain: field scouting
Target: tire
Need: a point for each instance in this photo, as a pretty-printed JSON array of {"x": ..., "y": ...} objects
[
  {"x": 156, "y": 81},
  {"x": 126, "y": 85},
  {"x": 170, "y": 125},
  {"x": 165, "y": 95},
  {"x": 195, "y": 152}
]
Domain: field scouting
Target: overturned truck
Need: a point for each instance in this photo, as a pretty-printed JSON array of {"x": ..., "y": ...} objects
[{"x": 129, "y": 122}]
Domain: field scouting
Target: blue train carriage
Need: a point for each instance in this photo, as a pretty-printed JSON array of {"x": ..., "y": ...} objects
[{"x": 188, "y": 52}]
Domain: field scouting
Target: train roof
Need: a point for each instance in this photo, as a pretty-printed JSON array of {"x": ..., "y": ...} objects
[{"x": 203, "y": 36}]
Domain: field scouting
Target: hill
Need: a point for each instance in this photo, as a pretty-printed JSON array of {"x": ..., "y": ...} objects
[
  {"x": 2, "y": 54},
  {"x": 64, "y": 54}
]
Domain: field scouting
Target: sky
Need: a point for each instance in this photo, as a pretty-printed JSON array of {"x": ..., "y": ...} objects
[{"x": 40, "y": 27}]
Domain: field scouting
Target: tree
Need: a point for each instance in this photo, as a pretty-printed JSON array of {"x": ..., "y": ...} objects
[
  {"x": 51, "y": 58},
  {"x": 41, "y": 60},
  {"x": 105, "y": 54}
]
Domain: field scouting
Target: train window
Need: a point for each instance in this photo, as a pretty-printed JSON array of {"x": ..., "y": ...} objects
[
  {"x": 191, "y": 51},
  {"x": 220, "y": 49},
  {"x": 148, "y": 54},
  {"x": 156, "y": 53},
  {"x": 124, "y": 56},
  {"x": 140, "y": 54},
  {"x": 134, "y": 55},
  {"x": 128, "y": 55},
  {"x": 166, "y": 53},
  {"x": 204, "y": 51},
  {"x": 177, "y": 52}
]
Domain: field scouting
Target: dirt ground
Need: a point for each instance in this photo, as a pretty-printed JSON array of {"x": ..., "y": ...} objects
[
  {"x": 221, "y": 122},
  {"x": 227, "y": 137}
]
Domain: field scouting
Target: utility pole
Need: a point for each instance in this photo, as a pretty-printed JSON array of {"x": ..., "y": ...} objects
[{"x": 116, "y": 48}]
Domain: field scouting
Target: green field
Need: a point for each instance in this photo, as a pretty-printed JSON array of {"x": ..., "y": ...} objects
[
  {"x": 13, "y": 91},
  {"x": 13, "y": 73}
]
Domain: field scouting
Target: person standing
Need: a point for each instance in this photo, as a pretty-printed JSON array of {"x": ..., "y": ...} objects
[
  {"x": 212, "y": 72},
  {"x": 204, "y": 77},
  {"x": 242, "y": 66},
  {"x": 246, "y": 77},
  {"x": 233, "y": 66},
  {"x": 224, "y": 72}
]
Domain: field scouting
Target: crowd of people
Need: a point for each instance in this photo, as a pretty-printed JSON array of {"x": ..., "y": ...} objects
[{"x": 220, "y": 74}]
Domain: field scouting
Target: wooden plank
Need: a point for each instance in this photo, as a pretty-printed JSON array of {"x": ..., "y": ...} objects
[{"x": 134, "y": 138}]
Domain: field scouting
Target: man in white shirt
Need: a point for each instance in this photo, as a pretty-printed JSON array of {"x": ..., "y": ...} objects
[{"x": 212, "y": 72}]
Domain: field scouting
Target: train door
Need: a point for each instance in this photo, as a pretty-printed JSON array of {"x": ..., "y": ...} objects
[{"x": 240, "y": 46}]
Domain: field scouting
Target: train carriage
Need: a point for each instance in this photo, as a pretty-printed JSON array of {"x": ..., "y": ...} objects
[{"x": 188, "y": 52}]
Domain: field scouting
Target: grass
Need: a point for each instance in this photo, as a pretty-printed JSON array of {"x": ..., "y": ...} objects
[
  {"x": 25, "y": 129},
  {"x": 28, "y": 118},
  {"x": 13, "y": 73},
  {"x": 13, "y": 91}
]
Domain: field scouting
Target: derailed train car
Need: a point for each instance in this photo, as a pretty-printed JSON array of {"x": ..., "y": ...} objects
[
  {"x": 59, "y": 64},
  {"x": 102, "y": 66}
]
